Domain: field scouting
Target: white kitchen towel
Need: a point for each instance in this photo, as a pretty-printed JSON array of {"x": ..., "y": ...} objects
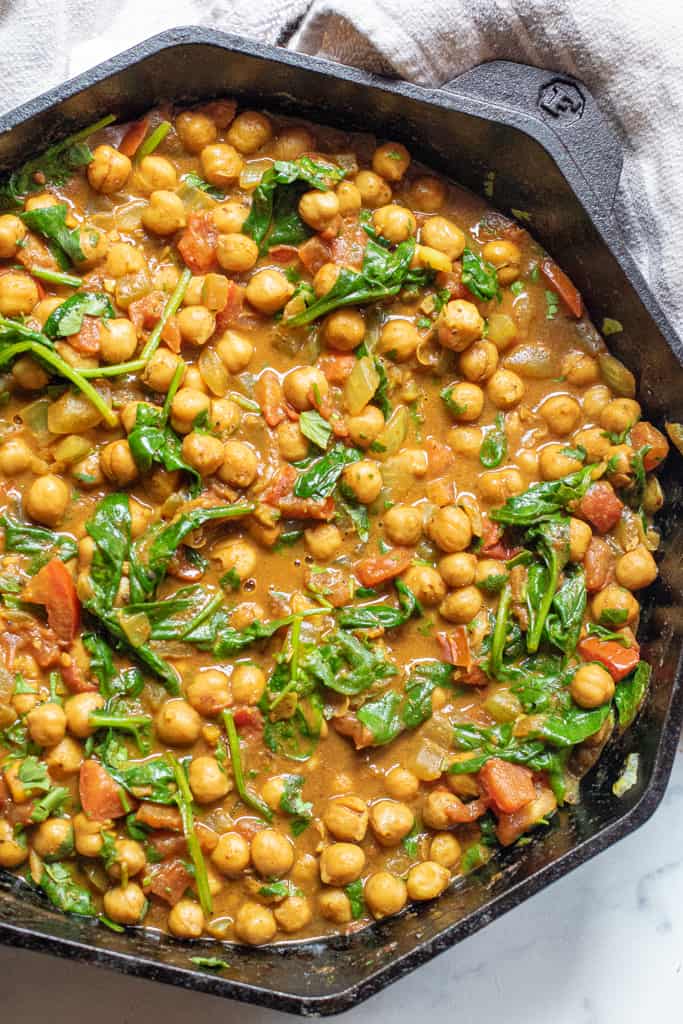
[{"x": 629, "y": 53}]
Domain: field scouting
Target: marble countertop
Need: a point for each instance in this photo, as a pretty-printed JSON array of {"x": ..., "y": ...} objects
[{"x": 604, "y": 945}]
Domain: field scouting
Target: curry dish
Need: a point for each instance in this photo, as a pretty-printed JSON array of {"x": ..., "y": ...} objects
[{"x": 324, "y": 513}]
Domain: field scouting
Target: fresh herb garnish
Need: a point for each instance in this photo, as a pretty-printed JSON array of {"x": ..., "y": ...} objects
[
  {"x": 494, "y": 447},
  {"x": 479, "y": 276}
]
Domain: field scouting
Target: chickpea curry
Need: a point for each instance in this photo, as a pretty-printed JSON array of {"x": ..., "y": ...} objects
[{"x": 324, "y": 513}]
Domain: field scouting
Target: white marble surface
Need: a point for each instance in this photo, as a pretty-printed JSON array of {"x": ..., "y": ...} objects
[{"x": 602, "y": 946}]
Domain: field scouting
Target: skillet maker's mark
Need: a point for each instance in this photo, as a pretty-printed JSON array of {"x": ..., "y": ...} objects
[{"x": 562, "y": 100}]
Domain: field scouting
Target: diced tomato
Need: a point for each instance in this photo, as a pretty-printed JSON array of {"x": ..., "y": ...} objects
[
  {"x": 159, "y": 816},
  {"x": 54, "y": 587},
  {"x": 281, "y": 485},
  {"x": 197, "y": 244},
  {"x": 600, "y": 506},
  {"x": 279, "y": 494},
  {"x": 100, "y": 794},
  {"x": 246, "y": 717},
  {"x": 617, "y": 659},
  {"x": 508, "y": 786},
  {"x": 170, "y": 881},
  {"x": 132, "y": 140},
  {"x": 598, "y": 565},
  {"x": 441, "y": 457},
  {"x": 268, "y": 393},
  {"x": 474, "y": 676},
  {"x": 460, "y": 813},
  {"x": 232, "y": 309},
  {"x": 208, "y": 839},
  {"x": 35, "y": 253},
  {"x": 511, "y": 826},
  {"x": 450, "y": 280},
  {"x": 20, "y": 814},
  {"x": 494, "y": 542},
  {"x": 168, "y": 844},
  {"x": 336, "y": 368},
  {"x": 349, "y": 726},
  {"x": 378, "y": 569},
  {"x": 74, "y": 680},
  {"x": 87, "y": 340},
  {"x": 314, "y": 254},
  {"x": 170, "y": 333},
  {"x": 643, "y": 434},
  {"x": 565, "y": 288},
  {"x": 283, "y": 254},
  {"x": 348, "y": 248},
  {"x": 456, "y": 647},
  {"x": 143, "y": 313}
]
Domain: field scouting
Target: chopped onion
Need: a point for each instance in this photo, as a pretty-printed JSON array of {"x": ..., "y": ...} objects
[
  {"x": 213, "y": 371},
  {"x": 502, "y": 330},
  {"x": 617, "y": 376},
  {"x": 72, "y": 448},
  {"x": 35, "y": 416},
  {"x": 361, "y": 385},
  {"x": 253, "y": 172},
  {"x": 394, "y": 434},
  {"x": 533, "y": 361},
  {"x": 427, "y": 761},
  {"x": 72, "y": 413},
  {"x": 131, "y": 287},
  {"x": 129, "y": 216},
  {"x": 136, "y": 627}
]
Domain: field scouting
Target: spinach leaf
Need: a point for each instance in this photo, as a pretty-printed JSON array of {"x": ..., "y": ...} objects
[
  {"x": 630, "y": 693},
  {"x": 211, "y": 963},
  {"x": 154, "y": 777},
  {"x": 53, "y": 803},
  {"x": 544, "y": 499},
  {"x": 494, "y": 447},
  {"x": 422, "y": 681},
  {"x": 109, "y": 527},
  {"x": 595, "y": 629},
  {"x": 315, "y": 428},
  {"x": 374, "y": 615},
  {"x": 551, "y": 539},
  {"x": 183, "y": 799},
  {"x": 382, "y": 717},
  {"x": 292, "y": 802},
  {"x": 246, "y": 795},
  {"x": 320, "y": 479},
  {"x": 354, "y": 890},
  {"x": 498, "y": 741},
  {"x": 152, "y": 440},
  {"x": 563, "y": 625},
  {"x": 381, "y": 395},
  {"x": 357, "y": 513},
  {"x": 296, "y": 736},
  {"x": 39, "y": 543},
  {"x": 63, "y": 892},
  {"x": 64, "y": 242},
  {"x": 126, "y": 683},
  {"x": 383, "y": 274},
  {"x": 479, "y": 276},
  {"x": 572, "y": 726},
  {"x": 68, "y": 318},
  {"x": 139, "y": 726},
  {"x": 347, "y": 665}
]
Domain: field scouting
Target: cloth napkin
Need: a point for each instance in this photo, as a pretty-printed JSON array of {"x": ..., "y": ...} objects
[{"x": 629, "y": 54}]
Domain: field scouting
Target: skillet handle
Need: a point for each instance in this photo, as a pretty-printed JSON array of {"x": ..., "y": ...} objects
[{"x": 561, "y": 104}]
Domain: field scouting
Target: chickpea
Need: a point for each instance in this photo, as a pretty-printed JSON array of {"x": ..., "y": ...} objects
[
  {"x": 505, "y": 257},
  {"x": 450, "y": 529},
  {"x": 318, "y": 209},
  {"x": 77, "y": 710},
  {"x": 323, "y": 541},
  {"x": 374, "y": 190},
  {"x": 301, "y": 385},
  {"x": 505, "y": 389},
  {"x": 619, "y": 415},
  {"x": 580, "y": 535},
  {"x": 595, "y": 400},
  {"x": 459, "y": 325},
  {"x": 293, "y": 142},
  {"x": 391, "y": 161},
  {"x": 129, "y": 860},
  {"x": 268, "y": 291},
  {"x": 187, "y": 405},
  {"x": 177, "y": 723},
  {"x": 561, "y": 413},
  {"x": 237, "y": 254},
  {"x": 479, "y": 362},
  {"x": 196, "y": 324},
  {"x": 466, "y": 441},
  {"x": 64, "y": 759},
  {"x": 249, "y": 131},
  {"x": 208, "y": 781},
  {"x": 94, "y": 246},
  {"x": 118, "y": 464},
  {"x": 238, "y": 555},
  {"x": 156, "y": 172},
  {"x": 459, "y": 569},
  {"x": 88, "y": 835},
  {"x": 366, "y": 426},
  {"x": 229, "y": 217},
  {"x": 334, "y": 905},
  {"x": 195, "y": 130},
  {"x": 45, "y": 307},
  {"x": 325, "y": 278},
  {"x": 27, "y": 373},
  {"x": 118, "y": 340},
  {"x": 402, "y": 784},
  {"x": 344, "y": 329},
  {"x": 272, "y": 854},
  {"x": 273, "y": 790},
  {"x": 403, "y": 525},
  {"x": 209, "y": 693},
  {"x": 109, "y": 170},
  {"x": 203, "y": 452},
  {"x": 445, "y": 236},
  {"x": 636, "y": 569},
  {"x": 54, "y": 839},
  {"x": 615, "y": 599},
  {"x": 399, "y": 339},
  {"x": 428, "y": 193},
  {"x": 462, "y": 605},
  {"x": 346, "y": 818},
  {"x": 341, "y": 863},
  {"x": 349, "y": 198},
  {"x": 364, "y": 479},
  {"x": 186, "y": 920},
  {"x": 255, "y": 924},
  {"x": 293, "y": 914},
  {"x": 428, "y": 880},
  {"x": 598, "y": 446},
  {"x": 240, "y": 464},
  {"x": 225, "y": 416},
  {"x": 235, "y": 350},
  {"x": 426, "y": 583},
  {"x": 231, "y": 855},
  {"x": 12, "y": 852},
  {"x": 12, "y": 232},
  {"x": 18, "y": 293},
  {"x": 466, "y": 401},
  {"x": 221, "y": 164},
  {"x": 124, "y": 259},
  {"x": 165, "y": 213},
  {"x": 580, "y": 369},
  {"x": 553, "y": 463},
  {"x": 385, "y": 894},
  {"x": 395, "y": 223},
  {"x": 497, "y": 485},
  {"x": 47, "y": 499},
  {"x": 591, "y": 686},
  {"x": 125, "y": 904},
  {"x": 292, "y": 444},
  {"x": 444, "y": 849},
  {"x": 248, "y": 684},
  {"x": 390, "y": 821},
  {"x": 15, "y": 457}
]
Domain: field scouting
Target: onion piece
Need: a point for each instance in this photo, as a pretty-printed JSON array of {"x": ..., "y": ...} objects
[
  {"x": 361, "y": 385},
  {"x": 72, "y": 448},
  {"x": 389, "y": 441},
  {"x": 533, "y": 361},
  {"x": 34, "y": 416},
  {"x": 427, "y": 761},
  {"x": 253, "y": 172},
  {"x": 136, "y": 627},
  {"x": 617, "y": 376},
  {"x": 73, "y": 412},
  {"x": 675, "y": 432},
  {"x": 213, "y": 371}
]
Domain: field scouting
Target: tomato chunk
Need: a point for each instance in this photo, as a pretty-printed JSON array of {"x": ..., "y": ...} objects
[
  {"x": 268, "y": 394},
  {"x": 460, "y": 813},
  {"x": 87, "y": 340},
  {"x": 159, "y": 816},
  {"x": 456, "y": 647},
  {"x": 643, "y": 435},
  {"x": 100, "y": 794},
  {"x": 598, "y": 565},
  {"x": 314, "y": 254},
  {"x": 514, "y": 824},
  {"x": 566, "y": 289},
  {"x": 371, "y": 571},
  {"x": 132, "y": 140},
  {"x": 600, "y": 506},
  {"x": 508, "y": 786},
  {"x": 247, "y": 718},
  {"x": 336, "y": 368},
  {"x": 197, "y": 244},
  {"x": 617, "y": 659},
  {"x": 170, "y": 881},
  {"x": 54, "y": 587}
]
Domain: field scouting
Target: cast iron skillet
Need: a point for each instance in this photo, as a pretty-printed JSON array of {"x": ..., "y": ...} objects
[{"x": 540, "y": 142}]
